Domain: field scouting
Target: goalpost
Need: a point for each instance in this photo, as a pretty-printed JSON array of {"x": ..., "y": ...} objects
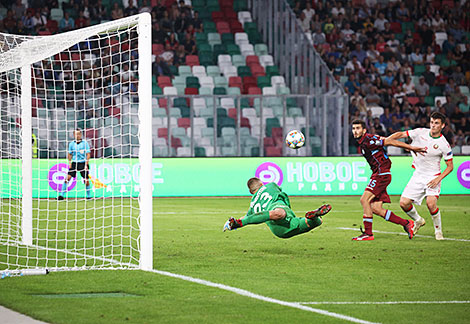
[{"x": 96, "y": 79}]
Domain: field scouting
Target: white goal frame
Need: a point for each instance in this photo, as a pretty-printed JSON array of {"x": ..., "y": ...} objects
[{"x": 36, "y": 48}]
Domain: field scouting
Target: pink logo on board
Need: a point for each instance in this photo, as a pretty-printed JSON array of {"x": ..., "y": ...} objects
[
  {"x": 463, "y": 174},
  {"x": 57, "y": 175},
  {"x": 269, "y": 172}
]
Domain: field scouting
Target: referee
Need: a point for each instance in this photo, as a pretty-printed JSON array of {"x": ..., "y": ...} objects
[{"x": 79, "y": 156}]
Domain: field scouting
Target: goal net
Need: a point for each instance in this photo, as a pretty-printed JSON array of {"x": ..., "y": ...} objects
[{"x": 96, "y": 80}]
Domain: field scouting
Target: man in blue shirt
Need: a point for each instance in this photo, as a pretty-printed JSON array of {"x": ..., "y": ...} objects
[{"x": 78, "y": 156}]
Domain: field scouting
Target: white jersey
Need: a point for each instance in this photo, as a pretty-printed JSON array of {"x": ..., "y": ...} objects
[{"x": 436, "y": 147}]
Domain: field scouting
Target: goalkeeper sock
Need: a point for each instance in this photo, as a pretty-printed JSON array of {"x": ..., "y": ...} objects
[
  {"x": 391, "y": 217},
  {"x": 257, "y": 218},
  {"x": 88, "y": 191},
  {"x": 313, "y": 222},
  {"x": 413, "y": 213},
  {"x": 64, "y": 188},
  {"x": 436, "y": 219}
]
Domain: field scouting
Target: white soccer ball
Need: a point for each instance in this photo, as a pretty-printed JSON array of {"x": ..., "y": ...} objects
[{"x": 295, "y": 139}]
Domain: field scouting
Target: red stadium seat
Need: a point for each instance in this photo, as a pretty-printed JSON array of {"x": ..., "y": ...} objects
[
  {"x": 245, "y": 122},
  {"x": 163, "y": 103},
  {"x": 252, "y": 59},
  {"x": 257, "y": 70},
  {"x": 413, "y": 100},
  {"x": 175, "y": 142},
  {"x": 223, "y": 27},
  {"x": 232, "y": 113},
  {"x": 192, "y": 60},
  {"x": 164, "y": 81},
  {"x": 184, "y": 122},
  {"x": 191, "y": 91},
  {"x": 236, "y": 26},
  {"x": 230, "y": 14},
  {"x": 235, "y": 81},
  {"x": 254, "y": 91},
  {"x": 52, "y": 25},
  {"x": 273, "y": 151},
  {"x": 268, "y": 141},
  {"x": 395, "y": 27},
  {"x": 218, "y": 16},
  {"x": 163, "y": 132}
]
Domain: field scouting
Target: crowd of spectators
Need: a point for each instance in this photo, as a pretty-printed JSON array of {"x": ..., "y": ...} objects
[
  {"x": 174, "y": 24},
  {"x": 395, "y": 57}
]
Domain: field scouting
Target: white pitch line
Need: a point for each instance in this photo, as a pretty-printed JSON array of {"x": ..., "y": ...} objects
[
  {"x": 398, "y": 233},
  {"x": 249, "y": 294},
  {"x": 390, "y": 302}
]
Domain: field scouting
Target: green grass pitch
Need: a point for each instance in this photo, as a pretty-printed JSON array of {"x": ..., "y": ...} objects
[{"x": 321, "y": 266}]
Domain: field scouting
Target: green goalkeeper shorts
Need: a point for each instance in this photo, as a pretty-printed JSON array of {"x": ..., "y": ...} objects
[{"x": 290, "y": 225}]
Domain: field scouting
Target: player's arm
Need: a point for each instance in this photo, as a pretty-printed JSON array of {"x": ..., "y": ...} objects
[
  {"x": 69, "y": 156},
  {"x": 449, "y": 167},
  {"x": 394, "y": 142},
  {"x": 398, "y": 135}
]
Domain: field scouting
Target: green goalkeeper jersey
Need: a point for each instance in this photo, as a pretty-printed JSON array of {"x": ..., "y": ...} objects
[{"x": 268, "y": 197}]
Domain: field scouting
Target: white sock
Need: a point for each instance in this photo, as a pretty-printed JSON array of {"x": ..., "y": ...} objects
[
  {"x": 413, "y": 213},
  {"x": 436, "y": 219}
]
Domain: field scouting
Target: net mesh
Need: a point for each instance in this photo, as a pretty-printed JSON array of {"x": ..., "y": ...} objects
[{"x": 85, "y": 80}]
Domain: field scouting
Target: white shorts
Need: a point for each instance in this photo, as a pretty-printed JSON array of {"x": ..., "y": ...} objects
[{"x": 417, "y": 188}]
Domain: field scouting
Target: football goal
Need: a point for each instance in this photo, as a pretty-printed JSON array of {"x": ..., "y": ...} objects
[{"x": 95, "y": 81}]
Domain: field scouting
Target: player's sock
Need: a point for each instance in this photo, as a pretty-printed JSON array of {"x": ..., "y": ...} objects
[
  {"x": 391, "y": 217},
  {"x": 88, "y": 191},
  {"x": 367, "y": 221},
  {"x": 313, "y": 222},
  {"x": 257, "y": 218},
  {"x": 436, "y": 219},
  {"x": 413, "y": 213},
  {"x": 64, "y": 189}
]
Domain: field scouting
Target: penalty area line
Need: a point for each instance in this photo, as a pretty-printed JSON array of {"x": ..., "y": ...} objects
[
  {"x": 249, "y": 294},
  {"x": 398, "y": 233},
  {"x": 390, "y": 302}
]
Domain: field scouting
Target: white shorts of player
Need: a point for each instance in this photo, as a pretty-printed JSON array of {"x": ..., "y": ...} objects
[{"x": 417, "y": 188}]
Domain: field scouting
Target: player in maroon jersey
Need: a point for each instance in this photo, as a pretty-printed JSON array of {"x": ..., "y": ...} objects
[{"x": 375, "y": 194}]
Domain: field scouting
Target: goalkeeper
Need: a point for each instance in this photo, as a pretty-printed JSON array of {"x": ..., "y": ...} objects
[
  {"x": 271, "y": 206},
  {"x": 78, "y": 156}
]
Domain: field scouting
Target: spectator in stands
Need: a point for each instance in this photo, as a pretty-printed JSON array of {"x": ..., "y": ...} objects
[
  {"x": 379, "y": 127},
  {"x": 372, "y": 98},
  {"x": 172, "y": 42},
  {"x": 99, "y": 12},
  {"x": 380, "y": 65},
  {"x": 464, "y": 105},
  {"x": 304, "y": 23},
  {"x": 359, "y": 53},
  {"x": 457, "y": 97},
  {"x": 458, "y": 76},
  {"x": 308, "y": 11},
  {"x": 165, "y": 22},
  {"x": 352, "y": 84},
  {"x": 366, "y": 86},
  {"x": 318, "y": 38},
  {"x": 353, "y": 66},
  {"x": 449, "y": 106},
  {"x": 130, "y": 10},
  {"x": 116, "y": 12},
  {"x": 416, "y": 57},
  {"x": 27, "y": 21},
  {"x": 39, "y": 21},
  {"x": 189, "y": 44},
  {"x": 81, "y": 21},
  {"x": 441, "y": 78},
  {"x": 66, "y": 23},
  {"x": 160, "y": 67},
  {"x": 379, "y": 23},
  {"x": 448, "y": 63},
  {"x": 422, "y": 88},
  {"x": 347, "y": 33},
  {"x": 429, "y": 77},
  {"x": 403, "y": 14},
  {"x": 449, "y": 88},
  {"x": 409, "y": 87},
  {"x": 196, "y": 21},
  {"x": 145, "y": 7},
  {"x": 18, "y": 9},
  {"x": 338, "y": 9},
  {"x": 393, "y": 65},
  {"x": 158, "y": 35},
  {"x": 388, "y": 78}
]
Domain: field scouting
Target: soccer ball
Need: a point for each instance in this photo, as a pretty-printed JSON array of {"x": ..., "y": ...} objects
[{"x": 295, "y": 139}]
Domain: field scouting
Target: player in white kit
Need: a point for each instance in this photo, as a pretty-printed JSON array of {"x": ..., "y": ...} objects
[{"x": 427, "y": 177}]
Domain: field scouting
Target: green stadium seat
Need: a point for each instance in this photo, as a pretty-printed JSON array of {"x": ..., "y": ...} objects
[
  {"x": 261, "y": 49},
  {"x": 199, "y": 151},
  {"x": 185, "y": 71},
  {"x": 419, "y": 70},
  {"x": 227, "y": 38},
  {"x": 209, "y": 26},
  {"x": 263, "y": 81},
  {"x": 213, "y": 71},
  {"x": 206, "y": 58},
  {"x": 219, "y": 91},
  {"x": 201, "y": 38},
  {"x": 233, "y": 49},
  {"x": 272, "y": 70},
  {"x": 238, "y": 60},
  {"x": 243, "y": 71}
]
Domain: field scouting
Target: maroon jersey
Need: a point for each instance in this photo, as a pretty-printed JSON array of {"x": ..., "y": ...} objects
[{"x": 372, "y": 148}]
